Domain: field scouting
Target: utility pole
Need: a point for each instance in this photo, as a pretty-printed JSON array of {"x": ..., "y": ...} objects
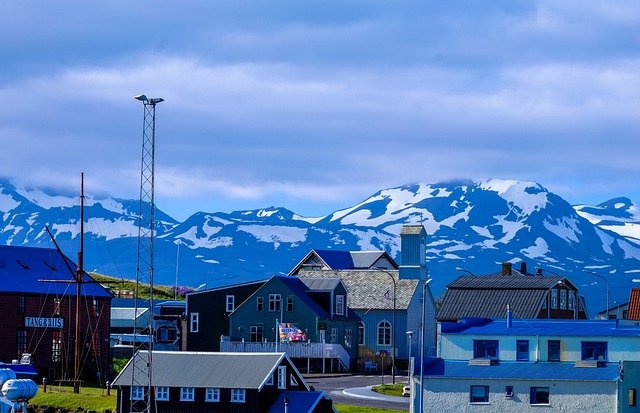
[{"x": 142, "y": 362}]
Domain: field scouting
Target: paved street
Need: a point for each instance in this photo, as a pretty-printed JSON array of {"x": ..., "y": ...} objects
[{"x": 356, "y": 394}]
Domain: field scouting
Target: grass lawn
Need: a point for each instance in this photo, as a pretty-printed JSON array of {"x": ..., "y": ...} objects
[
  {"x": 95, "y": 399},
  {"x": 389, "y": 389},
  {"x": 90, "y": 398}
]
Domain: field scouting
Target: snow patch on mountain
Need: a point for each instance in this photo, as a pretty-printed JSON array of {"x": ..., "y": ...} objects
[
  {"x": 275, "y": 234},
  {"x": 7, "y": 203},
  {"x": 539, "y": 249},
  {"x": 566, "y": 229},
  {"x": 45, "y": 200}
]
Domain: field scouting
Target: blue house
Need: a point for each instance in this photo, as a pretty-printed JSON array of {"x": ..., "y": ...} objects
[{"x": 522, "y": 365}]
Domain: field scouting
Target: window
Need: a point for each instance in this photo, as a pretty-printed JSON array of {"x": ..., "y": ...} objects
[
  {"x": 282, "y": 377},
  {"x": 563, "y": 299},
  {"x": 194, "y": 322},
  {"x": 508, "y": 391},
  {"x": 96, "y": 308},
  {"x": 21, "y": 341},
  {"x": 340, "y": 304},
  {"x": 293, "y": 381},
  {"x": 384, "y": 333},
  {"x": 553, "y": 350},
  {"x": 269, "y": 381},
  {"x": 137, "y": 393},
  {"x": 632, "y": 397},
  {"x": 485, "y": 349},
  {"x": 187, "y": 394},
  {"x": 360, "y": 333},
  {"x": 56, "y": 346},
  {"x": 539, "y": 395},
  {"x": 522, "y": 350},
  {"x": 554, "y": 299},
  {"x": 594, "y": 350},
  {"x": 347, "y": 337},
  {"x": 162, "y": 393},
  {"x": 95, "y": 344},
  {"x": 479, "y": 394},
  {"x": 237, "y": 395},
  {"x": 334, "y": 335},
  {"x": 56, "y": 306},
  {"x": 231, "y": 303},
  {"x": 274, "y": 302},
  {"x": 290, "y": 304},
  {"x": 256, "y": 334},
  {"x": 572, "y": 300},
  {"x": 259, "y": 303},
  {"x": 212, "y": 395},
  {"x": 22, "y": 304}
]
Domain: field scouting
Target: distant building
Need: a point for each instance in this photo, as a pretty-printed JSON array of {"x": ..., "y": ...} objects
[
  {"x": 337, "y": 260},
  {"x": 527, "y": 295},
  {"x": 38, "y": 302},
  {"x": 518, "y": 365},
  {"x": 222, "y": 382}
]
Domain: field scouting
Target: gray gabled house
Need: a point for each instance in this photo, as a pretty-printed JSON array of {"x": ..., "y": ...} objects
[{"x": 219, "y": 382}]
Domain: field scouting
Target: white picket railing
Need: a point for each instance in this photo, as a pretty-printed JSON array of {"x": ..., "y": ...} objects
[{"x": 293, "y": 349}]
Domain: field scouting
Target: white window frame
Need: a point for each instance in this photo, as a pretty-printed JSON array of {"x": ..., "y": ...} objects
[
  {"x": 282, "y": 377},
  {"x": 340, "y": 304},
  {"x": 269, "y": 381},
  {"x": 238, "y": 395},
  {"x": 260, "y": 303},
  {"x": 231, "y": 303},
  {"x": 162, "y": 393},
  {"x": 137, "y": 393},
  {"x": 194, "y": 322},
  {"x": 275, "y": 301},
  {"x": 293, "y": 381},
  {"x": 212, "y": 394},
  {"x": 384, "y": 327},
  {"x": 187, "y": 394}
]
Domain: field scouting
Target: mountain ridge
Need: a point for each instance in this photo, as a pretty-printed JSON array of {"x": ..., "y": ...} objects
[{"x": 475, "y": 225}]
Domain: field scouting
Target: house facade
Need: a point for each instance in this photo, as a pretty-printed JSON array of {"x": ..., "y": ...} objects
[
  {"x": 522, "y": 365},
  {"x": 38, "y": 303},
  {"x": 219, "y": 382},
  {"x": 388, "y": 300},
  {"x": 318, "y": 308}
]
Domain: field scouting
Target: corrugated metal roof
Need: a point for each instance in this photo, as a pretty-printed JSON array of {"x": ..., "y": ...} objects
[
  {"x": 546, "y": 327},
  {"x": 634, "y": 305},
  {"x": 22, "y": 268},
  {"x": 411, "y": 229},
  {"x": 521, "y": 371},
  {"x": 367, "y": 288},
  {"x": 514, "y": 281},
  {"x": 299, "y": 401},
  {"x": 336, "y": 260},
  {"x": 490, "y": 303},
  {"x": 200, "y": 369},
  {"x": 363, "y": 259}
]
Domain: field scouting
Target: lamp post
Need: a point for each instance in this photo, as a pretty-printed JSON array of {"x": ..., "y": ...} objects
[
  {"x": 606, "y": 282},
  {"x": 393, "y": 329},
  {"x": 463, "y": 270},
  {"x": 424, "y": 317},
  {"x": 409, "y": 334}
]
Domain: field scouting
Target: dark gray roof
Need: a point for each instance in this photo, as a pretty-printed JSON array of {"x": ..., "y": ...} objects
[
  {"x": 203, "y": 369},
  {"x": 488, "y": 296},
  {"x": 321, "y": 284},
  {"x": 412, "y": 229},
  {"x": 367, "y": 288}
]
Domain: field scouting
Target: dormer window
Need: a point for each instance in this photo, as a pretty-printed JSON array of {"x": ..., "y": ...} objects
[{"x": 340, "y": 304}]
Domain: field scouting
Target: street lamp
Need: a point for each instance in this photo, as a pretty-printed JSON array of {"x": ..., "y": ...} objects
[
  {"x": 424, "y": 316},
  {"x": 393, "y": 329},
  {"x": 463, "y": 270},
  {"x": 409, "y": 334},
  {"x": 606, "y": 282}
]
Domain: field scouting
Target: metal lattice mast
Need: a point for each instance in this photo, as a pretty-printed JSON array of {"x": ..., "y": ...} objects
[{"x": 141, "y": 380}]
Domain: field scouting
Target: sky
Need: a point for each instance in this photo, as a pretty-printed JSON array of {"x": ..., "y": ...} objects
[{"x": 316, "y": 105}]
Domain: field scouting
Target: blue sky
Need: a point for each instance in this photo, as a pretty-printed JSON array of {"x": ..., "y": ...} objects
[{"x": 315, "y": 105}]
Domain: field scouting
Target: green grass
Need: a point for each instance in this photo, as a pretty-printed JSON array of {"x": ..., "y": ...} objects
[
  {"x": 389, "y": 389},
  {"x": 62, "y": 397},
  {"x": 159, "y": 291},
  {"x": 346, "y": 408}
]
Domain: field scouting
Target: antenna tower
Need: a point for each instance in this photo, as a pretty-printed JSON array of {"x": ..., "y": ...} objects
[{"x": 141, "y": 380}]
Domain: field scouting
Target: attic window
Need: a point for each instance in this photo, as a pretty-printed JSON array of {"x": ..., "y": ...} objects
[
  {"x": 25, "y": 266},
  {"x": 51, "y": 267}
]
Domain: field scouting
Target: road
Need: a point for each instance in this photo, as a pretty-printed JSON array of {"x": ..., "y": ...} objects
[{"x": 334, "y": 386}]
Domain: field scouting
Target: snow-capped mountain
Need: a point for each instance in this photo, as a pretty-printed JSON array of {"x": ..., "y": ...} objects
[{"x": 471, "y": 225}]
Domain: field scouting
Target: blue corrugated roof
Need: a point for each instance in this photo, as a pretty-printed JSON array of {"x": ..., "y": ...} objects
[
  {"x": 521, "y": 327},
  {"x": 451, "y": 369},
  {"x": 22, "y": 268},
  {"x": 336, "y": 260},
  {"x": 26, "y": 369},
  {"x": 299, "y": 401}
]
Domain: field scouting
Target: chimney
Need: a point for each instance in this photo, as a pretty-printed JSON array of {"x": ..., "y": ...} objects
[
  {"x": 539, "y": 271},
  {"x": 506, "y": 268},
  {"x": 523, "y": 267}
]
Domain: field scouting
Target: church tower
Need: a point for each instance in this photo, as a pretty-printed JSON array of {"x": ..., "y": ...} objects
[{"x": 413, "y": 241}]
